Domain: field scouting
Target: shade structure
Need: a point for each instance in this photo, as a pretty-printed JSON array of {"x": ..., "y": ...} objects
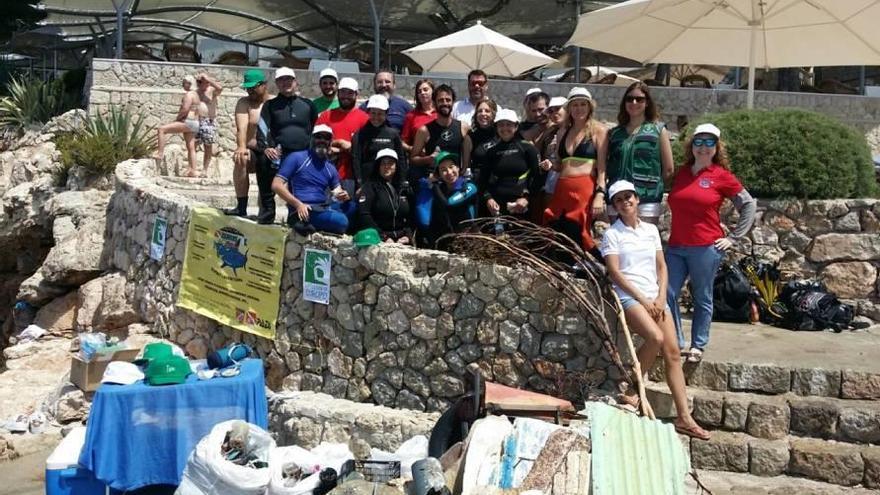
[
  {"x": 477, "y": 47},
  {"x": 741, "y": 33}
]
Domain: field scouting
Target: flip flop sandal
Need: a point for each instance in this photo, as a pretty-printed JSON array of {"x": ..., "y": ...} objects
[{"x": 692, "y": 431}]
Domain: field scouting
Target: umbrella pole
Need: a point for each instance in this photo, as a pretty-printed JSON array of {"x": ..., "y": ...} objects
[{"x": 753, "y": 24}]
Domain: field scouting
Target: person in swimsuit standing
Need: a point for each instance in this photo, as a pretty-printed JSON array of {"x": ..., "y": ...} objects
[
  {"x": 581, "y": 167},
  {"x": 186, "y": 123},
  {"x": 208, "y": 90}
]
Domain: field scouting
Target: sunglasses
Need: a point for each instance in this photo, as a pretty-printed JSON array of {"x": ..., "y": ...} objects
[
  {"x": 634, "y": 99},
  {"x": 707, "y": 142}
]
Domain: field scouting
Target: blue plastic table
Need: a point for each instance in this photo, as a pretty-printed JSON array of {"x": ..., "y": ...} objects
[{"x": 141, "y": 435}]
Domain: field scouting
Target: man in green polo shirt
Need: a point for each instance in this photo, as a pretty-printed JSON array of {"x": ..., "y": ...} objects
[{"x": 327, "y": 81}]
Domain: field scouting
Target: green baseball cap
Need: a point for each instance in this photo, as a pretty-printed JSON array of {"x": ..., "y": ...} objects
[
  {"x": 154, "y": 351},
  {"x": 167, "y": 370},
  {"x": 367, "y": 237},
  {"x": 445, "y": 155},
  {"x": 253, "y": 77}
]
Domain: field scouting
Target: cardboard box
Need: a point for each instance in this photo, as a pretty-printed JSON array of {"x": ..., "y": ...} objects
[{"x": 87, "y": 375}]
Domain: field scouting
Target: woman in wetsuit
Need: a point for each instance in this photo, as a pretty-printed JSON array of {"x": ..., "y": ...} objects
[
  {"x": 383, "y": 204},
  {"x": 581, "y": 167},
  {"x": 511, "y": 166},
  {"x": 483, "y": 136},
  {"x": 445, "y": 201}
]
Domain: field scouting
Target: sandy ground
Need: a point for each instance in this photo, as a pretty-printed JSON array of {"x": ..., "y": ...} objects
[{"x": 25, "y": 475}]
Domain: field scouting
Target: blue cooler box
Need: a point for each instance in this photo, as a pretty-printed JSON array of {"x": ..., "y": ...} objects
[{"x": 64, "y": 476}]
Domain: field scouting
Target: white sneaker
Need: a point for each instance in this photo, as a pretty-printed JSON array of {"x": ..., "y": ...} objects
[
  {"x": 695, "y": 355},
  {"x": 18, "y": 424},
  {"x": 37, "y": 422}
]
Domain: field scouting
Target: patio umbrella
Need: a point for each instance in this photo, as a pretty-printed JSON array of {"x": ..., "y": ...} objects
[
  {"x": 740, "y": 33},
  {"x": 477, "y": 47}
]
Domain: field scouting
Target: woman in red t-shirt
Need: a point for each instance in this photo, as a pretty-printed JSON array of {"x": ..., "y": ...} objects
[
  {"x": 697, "y": 242},
  {"x": 423, "y": 113}
]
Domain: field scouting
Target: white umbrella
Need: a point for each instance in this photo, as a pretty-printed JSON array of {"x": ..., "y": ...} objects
[
  {"x": 750, "y": 33},
  {"x": 477, "y": 47}
]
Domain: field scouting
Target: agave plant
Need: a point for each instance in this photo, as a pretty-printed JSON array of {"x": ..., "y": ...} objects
[
  {"x": 107, "y": 139},
  {"x": 33, "y": 102}
]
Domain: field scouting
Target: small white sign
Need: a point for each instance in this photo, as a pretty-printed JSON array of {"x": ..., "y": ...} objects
[
  {"x": 157, "y": 240},
  {"x": 316, "y": 275}
]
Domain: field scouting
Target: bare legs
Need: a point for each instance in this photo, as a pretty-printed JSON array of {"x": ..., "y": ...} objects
[
  {"x": 240, "y": 172},
  {"x": 189, "y": 139},
  {"x": 209, "y": 153},
  {"x": 660, "y": 337}
]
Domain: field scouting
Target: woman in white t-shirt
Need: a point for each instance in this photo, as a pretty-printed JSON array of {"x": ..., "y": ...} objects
[{"x": 634, "y": 260}]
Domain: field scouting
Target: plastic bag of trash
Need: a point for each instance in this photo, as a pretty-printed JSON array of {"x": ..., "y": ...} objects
[
  {"x": 286, "y": 461},
  {"x": 409, "y": 452},
  {"x": 208, "y": 472}
]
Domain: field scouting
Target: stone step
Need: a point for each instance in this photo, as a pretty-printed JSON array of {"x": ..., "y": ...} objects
[
  {"x": 724, "y": 483},
  {"x": 776, "y": 416},
  {"x": 820, "y": 460},
  {"x": 723, "y": 376}
]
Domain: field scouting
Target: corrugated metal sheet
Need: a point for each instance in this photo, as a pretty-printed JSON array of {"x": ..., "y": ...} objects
[{"x": 632, "y": 455}]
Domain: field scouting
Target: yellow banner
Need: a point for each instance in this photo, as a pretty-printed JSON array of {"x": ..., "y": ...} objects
[{"x": 232, "y": 271}]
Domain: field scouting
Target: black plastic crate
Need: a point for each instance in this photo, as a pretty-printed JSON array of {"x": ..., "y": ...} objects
[{"x": 373, "y": 470}]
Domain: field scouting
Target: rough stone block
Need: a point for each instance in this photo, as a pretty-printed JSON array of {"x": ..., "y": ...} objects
[
  {"x": 712, "y": 376},
  {"x": 834, "y": 247},
  {"x": 814, "y": 418},
  {"x": 854, "y": 279},
  {"x": 860, "y": 385},
  {"x": 661, "y": 401},
  {"x": 821, "y": 460},
  {"x": 767, "y": 457},
  {"x": 709, "y": 409},
  {"x": 760, "y": 378},
  {"x": 814, "y": 381},
  {"x": 723, "y": 452},
  {"x": 860, "y": 425},
  {"x": 736, "y": 412},
  {"x": 871, "y": 456},
  {"x": 768, "y": 420}
]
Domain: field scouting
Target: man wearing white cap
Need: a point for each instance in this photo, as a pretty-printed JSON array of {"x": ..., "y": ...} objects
[
  {"x": 286, "y": 123},
  {"x": 327, "y": 81},
  {"x": 345, "y": 122},
  {"x": 303, "y": 182},
  {"x": 534, "y": 114},
  {"x": 376, "y": 135}
]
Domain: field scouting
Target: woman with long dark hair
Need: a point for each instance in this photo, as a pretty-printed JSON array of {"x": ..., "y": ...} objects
[
  {"x": 697, "y": 242},
  {"x": 639, "y": 151},
  {"x": 483, "y": 136},
  {"x": 421, "y": 114}
]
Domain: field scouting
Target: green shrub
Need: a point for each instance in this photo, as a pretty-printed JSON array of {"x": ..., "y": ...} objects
[
  {"x": 33, "y": 101},
  {"x": 106, "y": 140},
  {"x": 793, "y": 153}
]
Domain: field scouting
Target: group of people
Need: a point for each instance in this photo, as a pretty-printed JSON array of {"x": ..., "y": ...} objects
[{"x": 417, "y": 173}]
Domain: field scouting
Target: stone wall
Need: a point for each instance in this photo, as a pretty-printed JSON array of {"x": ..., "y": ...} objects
[
  {"x": 402, "y": 327},
  {"x": 155, "y": 87}
]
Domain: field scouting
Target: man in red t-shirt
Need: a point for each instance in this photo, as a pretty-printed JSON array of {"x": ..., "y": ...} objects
[{"x": 345, "y": 121}]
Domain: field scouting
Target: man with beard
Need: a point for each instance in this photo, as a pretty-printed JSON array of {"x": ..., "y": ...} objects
[
  {"x": 345, "y": 121},
  {"x": 535, "y": 115},
  {"x": 303, "y": 182},
  {"x": 383, "y": 84},
  {"x": 285, "y": 126},
  {"x": 443, "y": 134},
  {"x": 247, "y": 158},
  {"x": 478, "y": 90},
  {"x": 327, "y": 83}
]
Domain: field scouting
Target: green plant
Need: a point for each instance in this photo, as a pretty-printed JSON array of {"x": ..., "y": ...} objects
[
  {"x": 790, "y": 153},
  {"x": 33, "y": 101},
  {"x": 107, "y": 139}
]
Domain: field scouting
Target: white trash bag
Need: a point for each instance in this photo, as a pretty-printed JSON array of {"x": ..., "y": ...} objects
[
  {"x": 409, "y": 452},
  {"x": 207, "y": 472},
  {"x": 325, "y": 455}
]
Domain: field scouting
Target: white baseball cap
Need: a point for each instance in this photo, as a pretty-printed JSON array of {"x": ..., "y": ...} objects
[
  {"x": 386, "y": 152},
  {"x": 122, "y": 373},
  {"x": 322, "y": 128},
  {"x": 620, "y": 186},
  {"x": 284, "y": 72},
  {"x": 328, "y": 72},
  {"x": 579, "y": 92},
  {"x": 506, "y": 114},
  {"x": 378, "y": 101},
  {"x": 557, "y": 101},
  {"x": 708, "y": 129},
  {"x": 532, "y": 91},
  {"x": 348, "y": 83}
]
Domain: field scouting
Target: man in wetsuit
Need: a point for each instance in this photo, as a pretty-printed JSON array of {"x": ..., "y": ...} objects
[
  {"x": 247, "y": 158},
  {"x": 327, "y": 81},
  {"x": 443, "y": 134},
  {"x": 285, "y": 126},
  {"x": 345, "y": 122},
  {"x": 383, "y": 84}
]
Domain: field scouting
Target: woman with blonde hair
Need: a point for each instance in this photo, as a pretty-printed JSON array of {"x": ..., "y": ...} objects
[
  {"x": 697, "y": 242},
  {"x": 581, "y": 166}
]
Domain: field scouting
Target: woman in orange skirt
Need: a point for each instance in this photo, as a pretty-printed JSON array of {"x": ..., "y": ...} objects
[{"x": 577, "y": 200}]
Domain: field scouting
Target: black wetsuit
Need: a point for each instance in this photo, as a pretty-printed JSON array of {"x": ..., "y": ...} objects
[
  {"x": 369, "y": 141},
  {"x": 289, "y": 121},
  {"x": 482, "y": 139},
  {"x": 447, "y": 214},
  {"x": 511, "y": 167},
  {"x": 383, "y": 207}
]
